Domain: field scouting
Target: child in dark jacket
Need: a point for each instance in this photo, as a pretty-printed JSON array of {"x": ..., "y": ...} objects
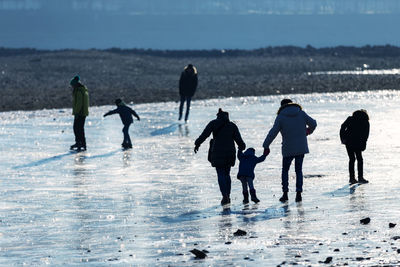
[
  {"x": 354, "y": 134},
  {"x": 125, "y": 114},
  {"x": 248, "y": 161}
]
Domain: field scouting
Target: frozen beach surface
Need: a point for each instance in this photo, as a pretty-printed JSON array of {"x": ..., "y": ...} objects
[{"x": 153, "y": 204}]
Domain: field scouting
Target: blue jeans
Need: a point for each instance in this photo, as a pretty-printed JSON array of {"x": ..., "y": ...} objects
[
  {"x": 224, "y": 180},
  {"x": 127, "y": 138},
  {"x": 298, "y": 165},
  {"x": 188, "y": 99}
]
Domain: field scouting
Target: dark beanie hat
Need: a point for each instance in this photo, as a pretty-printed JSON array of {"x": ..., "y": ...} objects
[
  {"x": 75, "y": 80},
  {"x": 222, "y": 114},
  {"x": 286, "y": 101}
]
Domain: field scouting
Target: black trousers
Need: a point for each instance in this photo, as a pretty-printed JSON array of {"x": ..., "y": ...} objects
[
  {"x": 79, "y": 130},
  {"x": 353, "y": 155},
  {"x": 188, "y": 99},
  {"x": 127, "y": 138}
]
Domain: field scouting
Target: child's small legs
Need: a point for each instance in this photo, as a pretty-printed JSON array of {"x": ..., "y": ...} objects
[
  {"x": 252, "y": 190},
  {"x": 250, "y": 183},
  {"x": 127, "y": 140},
  {"x": 244, "y": 190}
]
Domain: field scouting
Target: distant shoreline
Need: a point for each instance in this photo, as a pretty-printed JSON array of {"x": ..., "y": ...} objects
[
  {"x": 33, "y": 79},
  {"x": 284, "y": 50}
]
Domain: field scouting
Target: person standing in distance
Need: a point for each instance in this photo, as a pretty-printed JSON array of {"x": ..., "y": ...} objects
[
  {"x": 354, "y": 134},
  {"x": 80, "y": 110},
  {"x": 187, "y": 87},
  {"x": 294, "y": 125}
]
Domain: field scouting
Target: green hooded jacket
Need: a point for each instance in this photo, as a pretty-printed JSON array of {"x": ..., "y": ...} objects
[{"x": 80, "y": 101}]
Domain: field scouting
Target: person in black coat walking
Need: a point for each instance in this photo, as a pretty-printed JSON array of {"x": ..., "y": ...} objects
[
  {"x": 222, "y": 151},
  {"x": 125, "y": 114},
  {"x": 187, "y": 88},
  {"x": 354, "y": 134},
  {"x": 248, "y": 161}
]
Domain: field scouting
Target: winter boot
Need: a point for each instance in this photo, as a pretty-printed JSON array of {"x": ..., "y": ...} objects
[
  {"x": 362, "y": 180},
  {"x": 298, "y": 197},
  {"x": 254, "y": 196},
  {"x": 225, "y": 200},
  {"x": 284, "y": 197},
  {"x": 352, "y": 180},
  {"x": 74, "y": 146},
  {"x": 245, "y": 197}
]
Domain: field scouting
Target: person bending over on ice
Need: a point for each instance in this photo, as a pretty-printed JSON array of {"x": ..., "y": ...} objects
[
  {"x": 354, "y": 134},
  {"x": 187, "y": 88},
  {"x": 80, "y": 110},
  {"x": 222, "y": 151},
  {"x": 125, "y": 114},
  {"x": 294, "y": 125},
  {"x": 248, "y": 162}
]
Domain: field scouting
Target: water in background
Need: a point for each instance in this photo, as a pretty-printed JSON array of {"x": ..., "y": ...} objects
[
  {"x": 150, "y": 205},
  {"x": 205, "y": 24}
]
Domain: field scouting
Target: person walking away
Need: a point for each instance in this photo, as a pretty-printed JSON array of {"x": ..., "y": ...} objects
[
  {"x": 354, "y": 134},
  {"x": 187, "y": 87},
  {"x": 248, "y": 161},
  {"x": 294, "y": 125},
  {"x": 222, "y": 151},
  {"x": 125, "y": 113},
  {"x": 80, "y": 110}
]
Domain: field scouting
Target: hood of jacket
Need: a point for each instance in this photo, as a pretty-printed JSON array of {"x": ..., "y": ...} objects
[
  {"x": 249, "y": 152},
  {"x": 187, "y": 68},
  {"x": 290, "y": 110},
  {"x": 361, "y": 115}
]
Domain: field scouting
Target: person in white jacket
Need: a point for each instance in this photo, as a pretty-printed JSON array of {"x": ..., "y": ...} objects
[{"x": 294, "y": 125}]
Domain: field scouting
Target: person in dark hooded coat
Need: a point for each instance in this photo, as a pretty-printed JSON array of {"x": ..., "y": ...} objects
[
  {"x": 354, "y": 134},
  {"x": 222, "y": 151},
  {"x": 125, "y": 113},
  {"x": 248, "y": 161},
  {"x": 187, "y": 87}
]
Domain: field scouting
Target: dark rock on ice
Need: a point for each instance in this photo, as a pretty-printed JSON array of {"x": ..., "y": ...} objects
[
  {"x": 365, "y": 220},
  {"x": 360, "y": 258},
  {"x": 396, "y": 237},
  {"x": 328, "y": 260},
  {"x": 336, "y": 250},
  {"x": 398, "y": 250},
  {"x": 240, "y": 232},
  {"x": 392, "y": 225},
  {"x": 228, "y": 243},
  {"x": 198, "y": 253}
]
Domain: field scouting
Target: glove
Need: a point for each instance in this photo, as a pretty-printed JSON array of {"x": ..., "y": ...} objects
[
  {"x": 308, "y": 131},
  {"x": 266, "y": 151},
  {"x": 196, "y": 148},
  {"x": 104, "y": 115}
]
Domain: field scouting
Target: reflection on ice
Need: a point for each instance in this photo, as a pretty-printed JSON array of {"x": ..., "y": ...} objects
[
  {"x": 358, "y": 72},
  {"x": 151, "y": 205}
]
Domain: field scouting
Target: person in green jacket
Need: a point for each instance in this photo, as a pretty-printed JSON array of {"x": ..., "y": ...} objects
[{"x": 80, "y": 110}]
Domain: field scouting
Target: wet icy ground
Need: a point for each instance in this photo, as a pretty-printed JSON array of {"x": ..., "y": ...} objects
[{"x": 153, "y": 204}]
